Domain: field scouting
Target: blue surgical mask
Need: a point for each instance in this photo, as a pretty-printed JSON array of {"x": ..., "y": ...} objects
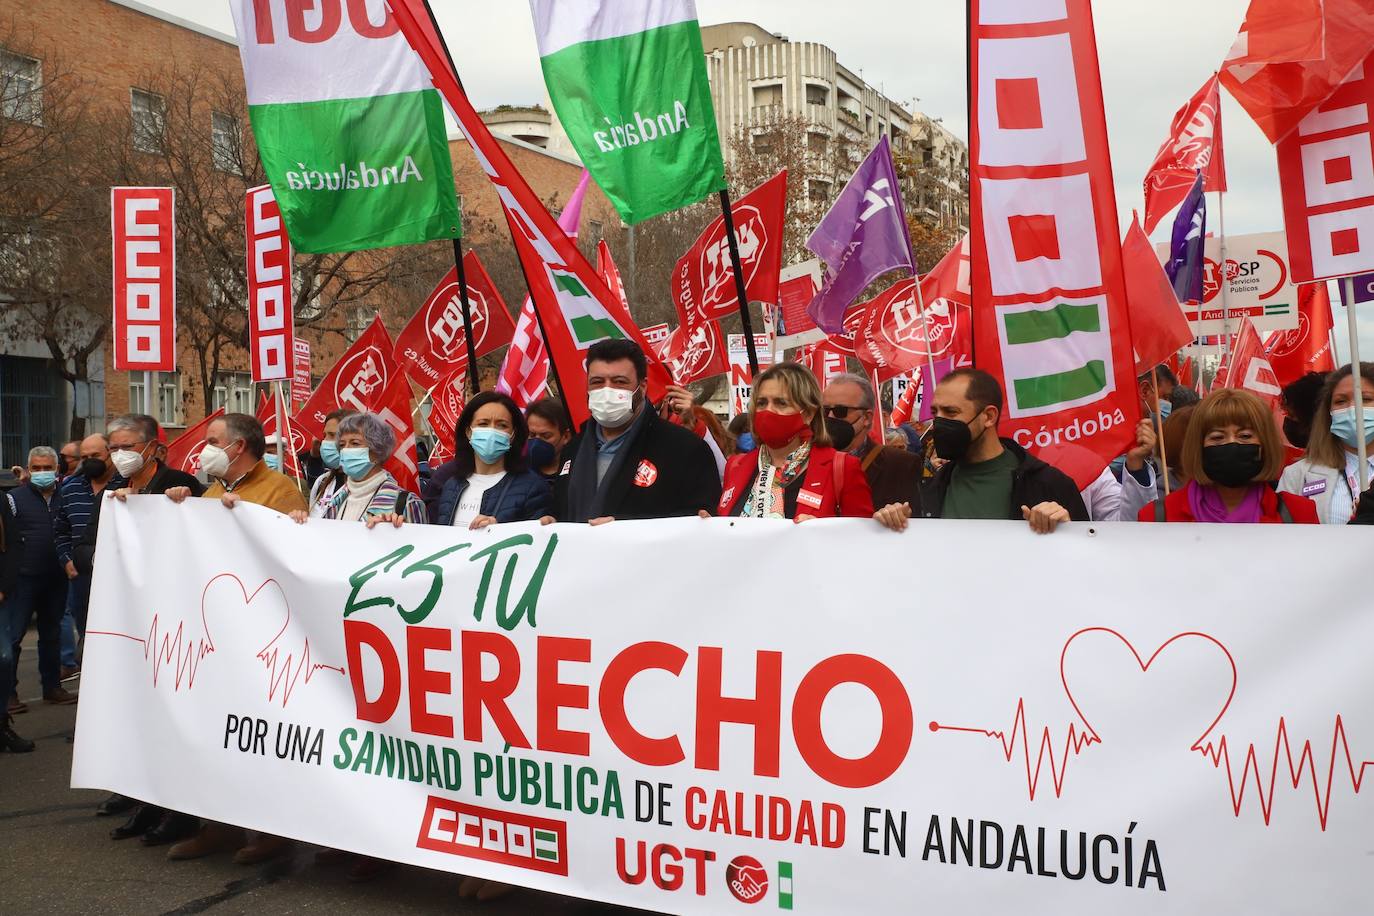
[
  {"x": 355, "y": 462},
  {"x": 44, "y": 480},
  {"x": 1343, "y": 426},
  {"x": 1165, "y": 408},
  {"x": 272, "y": 461},
  {"x": 542, "y": 454},
  {"x": 329, "y": 454},
  {"x": 490, "y": 444},
  {"x": 745, "y": 443}
]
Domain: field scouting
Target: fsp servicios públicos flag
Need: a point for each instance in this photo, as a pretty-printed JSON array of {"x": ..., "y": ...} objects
[
  {"x": 628, "y": 80},
  {"x": 349, "y": 127}
]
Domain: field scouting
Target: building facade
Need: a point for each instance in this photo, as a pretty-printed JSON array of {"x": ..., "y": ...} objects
[{"x": 115, "y": 51}]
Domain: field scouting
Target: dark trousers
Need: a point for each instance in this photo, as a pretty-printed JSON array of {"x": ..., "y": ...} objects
[{"x": 44, "y": 597}]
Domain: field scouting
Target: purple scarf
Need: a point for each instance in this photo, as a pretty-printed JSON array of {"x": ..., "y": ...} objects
[{"x": 1208, "y": 506}]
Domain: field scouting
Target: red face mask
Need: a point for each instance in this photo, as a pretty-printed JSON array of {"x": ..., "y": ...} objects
[{"x": 776, "y": 430}]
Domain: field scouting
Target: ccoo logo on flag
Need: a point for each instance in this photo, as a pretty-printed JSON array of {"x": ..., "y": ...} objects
[{"x": 1055, "y": 356}]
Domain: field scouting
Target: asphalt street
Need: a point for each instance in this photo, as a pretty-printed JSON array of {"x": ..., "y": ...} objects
[{"x": 58, "y": 857}]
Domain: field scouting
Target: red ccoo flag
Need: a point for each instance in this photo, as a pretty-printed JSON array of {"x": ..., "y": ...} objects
[
  {"x": 1158, "y": 328},
  {"x": 1306, "y": 348},
  {"x": 1291, "y": 55},
  {"x": 1249, "y": 368},
  {"x": 1194, "y": 143}
]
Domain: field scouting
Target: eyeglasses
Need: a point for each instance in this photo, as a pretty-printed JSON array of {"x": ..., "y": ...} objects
[{"x": 840, "y": 411}]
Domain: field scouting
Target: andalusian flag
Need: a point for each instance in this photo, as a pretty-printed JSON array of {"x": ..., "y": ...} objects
[
  {"x": 628, "y": 80},
  {"x": 349, "y": 127}
]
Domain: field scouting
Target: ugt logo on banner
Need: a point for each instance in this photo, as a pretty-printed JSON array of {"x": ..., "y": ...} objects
[{"x": 143, "y": 226}]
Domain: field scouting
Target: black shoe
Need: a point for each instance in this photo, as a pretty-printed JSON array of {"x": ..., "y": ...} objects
[
  {"x": 144, "y": 819},
  {"x": 173, "y": 828},
  {"x": 9, "y": 741},
  {"x": 116, "y": 804}
]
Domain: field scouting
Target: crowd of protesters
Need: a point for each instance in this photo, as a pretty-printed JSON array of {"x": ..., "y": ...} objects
[{"x": 800, "y": 453}]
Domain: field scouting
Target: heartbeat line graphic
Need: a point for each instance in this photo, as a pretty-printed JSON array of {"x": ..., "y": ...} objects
[
  {"x": 1305, "y": 767},
  {"x": 1302, "y": 767},
  {"x": 1017, "y": 736},
  {"x": 184, "y": 649}
]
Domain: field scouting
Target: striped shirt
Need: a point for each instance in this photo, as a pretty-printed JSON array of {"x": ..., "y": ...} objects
[{"x": 75, "y": 501}]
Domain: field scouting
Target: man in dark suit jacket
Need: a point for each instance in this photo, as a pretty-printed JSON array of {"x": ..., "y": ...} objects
[{"x": 628, "y": 463}]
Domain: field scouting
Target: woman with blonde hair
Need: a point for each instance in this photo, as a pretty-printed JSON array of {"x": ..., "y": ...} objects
[
  {"x": 1329, "y": 475},
  {"x": 1231, "y": 457},
  {"x": 793, "y": 473}
]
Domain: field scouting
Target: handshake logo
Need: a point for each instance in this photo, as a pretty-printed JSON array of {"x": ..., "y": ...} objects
[{"x": 748, "y": 881}]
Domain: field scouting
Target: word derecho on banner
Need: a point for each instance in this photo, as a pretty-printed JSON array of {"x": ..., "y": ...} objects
[{"x": 518, "y": 722}]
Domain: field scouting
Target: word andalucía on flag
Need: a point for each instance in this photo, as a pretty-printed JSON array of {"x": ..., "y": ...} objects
[
  {"x": 1049, "y": 298},
  {"x": 349, "y": 128},
  {"x": 703, "y": 282},
  {"x": 576, "y": 306},
  {"x": 628, "y": 80},
  {"x": 432, "y": 343},
  {"x": 357, "y": 382},
  {"x": 1194, "y": 144}
]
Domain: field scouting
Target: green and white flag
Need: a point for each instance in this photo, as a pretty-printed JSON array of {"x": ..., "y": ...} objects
[
  {"x": 350, "y": 130},
  {"x": 628, "y": 80}
]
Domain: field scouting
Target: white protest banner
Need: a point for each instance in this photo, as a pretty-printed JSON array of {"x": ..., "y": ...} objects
[
  {"x": 1261, "y": 285},
  {"x": 271, "y": 310},
  {"x": 144, "y": 260},
  {"x": 741, "y": 377},
  {"x": 490, "y": 703}
]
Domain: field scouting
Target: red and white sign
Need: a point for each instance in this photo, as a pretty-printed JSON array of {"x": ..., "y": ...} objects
[
  {"x": 797, "y": 286},
  {"x": 1260, "y": 285},
  {"x": 357, "y": 381},
  {"x": 703, "y": 282},
  {"x": 143, "y": 226},
  {"x": 271, "y": 312},
  {"x": 741, "y": 379},
  {"x": 300, "y": 379},
  {"x": 1050, "y": 316},
  {"x": 432, "y": 344},
  {"x": 701, "y": 355},
  {"x": 1326, "y": 172}
]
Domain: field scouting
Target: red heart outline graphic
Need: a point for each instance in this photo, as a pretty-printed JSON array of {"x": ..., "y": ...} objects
[{"x": 1145, "y": 667}]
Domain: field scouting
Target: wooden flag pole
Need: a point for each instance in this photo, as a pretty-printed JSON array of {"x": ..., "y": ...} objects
[
  {"x": 281, "y": 426},
  {"x": 467, "y": 313},
  {"x": 740, "y": 291},
  {"x": 1362, "y": 448},
  {"x": 1159, "y": 427}
]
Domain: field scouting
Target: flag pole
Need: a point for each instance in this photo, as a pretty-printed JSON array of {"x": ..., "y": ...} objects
[
  {"x": 467, "y": 311},
  {"x": 457, "y": 248},
  {"x": 281, "y": 427},
  {"x": 1224, "y": 280},
  {"x": 1362, "y": 448},
  {"x": 740, "y": 290},
  {"x": 1159, "y": 426}
]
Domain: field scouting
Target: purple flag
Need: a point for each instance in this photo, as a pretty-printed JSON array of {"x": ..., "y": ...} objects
[
  {"x": 862, "y": 237},
  {"x": 1187, "y": 258}
]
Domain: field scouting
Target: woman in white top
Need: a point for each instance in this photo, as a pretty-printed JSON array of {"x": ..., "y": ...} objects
[
  {"x": 492, "y": 482},
  {"x": 1330, "y": 473},
  {"x": 370, "y": 494}
]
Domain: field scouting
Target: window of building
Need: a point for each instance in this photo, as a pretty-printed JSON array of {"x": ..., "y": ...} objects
[
  {"x": 768, "y": 97},
  {"x": 149, "y": 120},
  {"x": 359, "y": 319},
  {"x": 817, "y": 191},
  {"x": 33, "y": 403},
  {"x": 817, "y": 143},
  {"x": 763, "y": 142},
  {"x": 225, "y": 141},
  {"x": 167, "y": 391},
  {"x": 21, "y": 92},
  {"x": 817, "y": 95},
  {"x": 234, "y": 392}
]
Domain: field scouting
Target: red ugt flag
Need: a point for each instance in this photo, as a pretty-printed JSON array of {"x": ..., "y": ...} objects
[
  {"x": 1194, "y": 143},
  {"x": 432, "y": 344},
  {"x": 1306, "y": 348},
  {"x": 184, "y": 452},
  {"x": 356, "y": 382}
]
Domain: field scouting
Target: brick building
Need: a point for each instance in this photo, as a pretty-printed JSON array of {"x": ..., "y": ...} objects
[{"x": 115, "y": 48}]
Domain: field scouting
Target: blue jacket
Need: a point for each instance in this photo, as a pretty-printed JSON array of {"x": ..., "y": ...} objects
[
  {"x": 35, "y": 519},
  {"x": 522, "y": 497}
]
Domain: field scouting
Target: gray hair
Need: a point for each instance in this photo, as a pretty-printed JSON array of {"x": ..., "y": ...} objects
[
  {"x": 141, "y": 424},
  {"x": 242, "y": 426},
  {"x": 867, "y": 398},
  {"x": 381, "y": 441},
  {"x": 42, "y": 451}
]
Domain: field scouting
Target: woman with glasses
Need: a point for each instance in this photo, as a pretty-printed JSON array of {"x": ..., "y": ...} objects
[{"x": 794, "y": 473}]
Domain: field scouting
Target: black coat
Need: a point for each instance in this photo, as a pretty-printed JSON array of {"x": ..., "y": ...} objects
[
  {"x": 34, "y": 524},
  {"x": 1033, "y": 482},
  {"x": 1364, "y": 513},
  {"x": 11, "y": 548},
  {"x": 165, "y": 478},
  {"x": 664, "y": 472}
]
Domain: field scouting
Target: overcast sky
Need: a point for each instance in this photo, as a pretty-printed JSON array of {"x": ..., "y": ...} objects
[{"x": 1154, "y": 56}]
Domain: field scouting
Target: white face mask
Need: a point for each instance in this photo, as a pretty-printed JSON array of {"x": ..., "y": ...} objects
[
  {"x": 127, "y": 462},
  {"x": 611, "y": 407},
  {"x": 214, "y": 461}
]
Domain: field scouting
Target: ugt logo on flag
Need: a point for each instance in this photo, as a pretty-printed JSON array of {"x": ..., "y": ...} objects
[{"x": 1055, "y": 356}]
